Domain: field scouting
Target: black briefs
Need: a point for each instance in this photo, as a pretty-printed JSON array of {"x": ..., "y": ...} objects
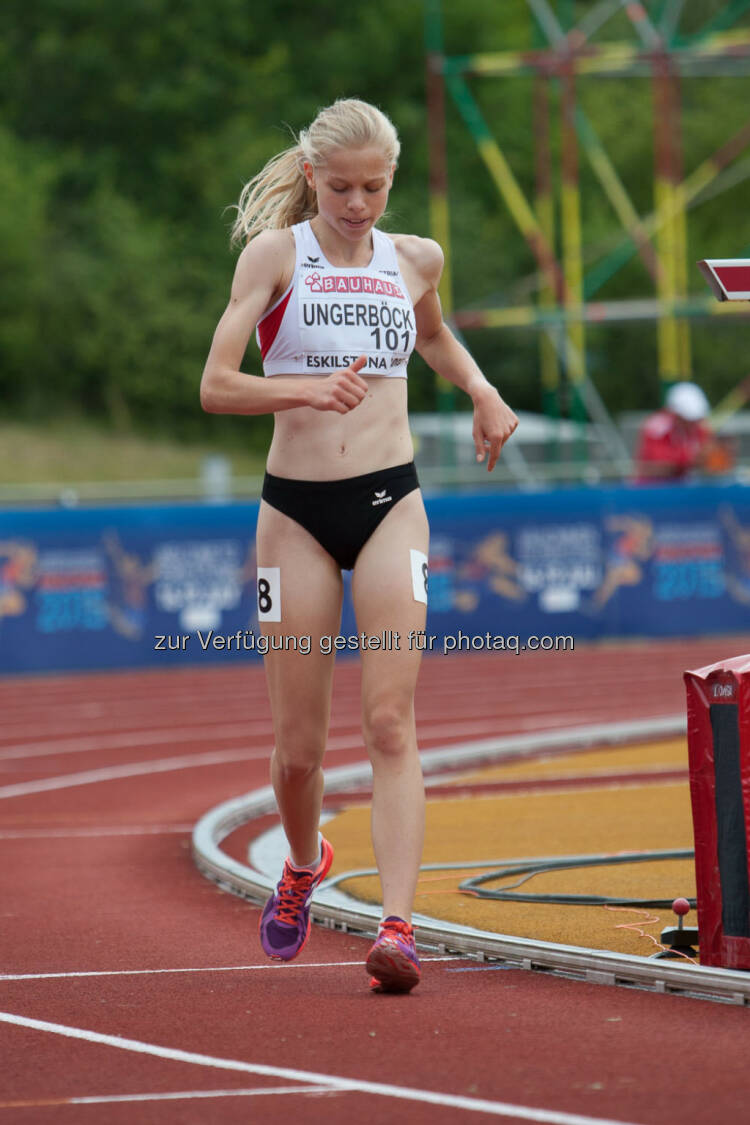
[{"x": 341, "y": 514}]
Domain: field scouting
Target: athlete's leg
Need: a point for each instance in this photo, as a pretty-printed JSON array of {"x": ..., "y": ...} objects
[
  {"x": 299, "y": 682},
  {"x": 384, "y": 599}
]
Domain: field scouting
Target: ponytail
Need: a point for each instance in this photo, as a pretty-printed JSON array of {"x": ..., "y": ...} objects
[
  {"x": 277, "y": 197},
  {"x": 280, "y": 196}
]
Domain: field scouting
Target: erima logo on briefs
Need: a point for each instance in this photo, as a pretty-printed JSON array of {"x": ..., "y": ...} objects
[{"x": 381, "y": 498}]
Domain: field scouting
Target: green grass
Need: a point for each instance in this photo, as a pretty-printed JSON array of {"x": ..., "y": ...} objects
[{"x": 72, "y": 451}]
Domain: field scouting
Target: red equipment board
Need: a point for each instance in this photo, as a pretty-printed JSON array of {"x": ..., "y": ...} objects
[
  {"x": 718, "y": 709},
  {"x": 729, "y": 278}
]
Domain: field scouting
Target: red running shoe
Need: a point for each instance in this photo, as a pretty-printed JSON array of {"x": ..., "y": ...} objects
[
  {"x": 393, "y": 959},
  {"x": 285, "y": 921}
]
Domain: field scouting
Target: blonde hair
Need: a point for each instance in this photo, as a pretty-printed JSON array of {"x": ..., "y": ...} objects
[{"x": 280, "y": 196}]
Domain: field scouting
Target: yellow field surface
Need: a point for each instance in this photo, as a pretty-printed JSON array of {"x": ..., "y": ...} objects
[{"x": 624, "y": 816}]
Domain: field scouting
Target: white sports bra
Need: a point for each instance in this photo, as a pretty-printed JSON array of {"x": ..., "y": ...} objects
[{"x": 330, "y": 315}]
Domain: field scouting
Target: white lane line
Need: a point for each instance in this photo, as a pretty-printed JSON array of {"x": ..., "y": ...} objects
[
  {"x": 330, "y": 1081},
  {"x": 273, "y": 967},
  {"x": 72, "y": 833},
  {"x": 426, "y": 729},
  {"x": 159, "y": 765},
  {"x": 100, "y": 1099},
  {"x": 78, "y": 745},
  {"x": 134, "y": 769},
  {"x": 164, "y": 765},
  {"x": 217, "y": 732}
]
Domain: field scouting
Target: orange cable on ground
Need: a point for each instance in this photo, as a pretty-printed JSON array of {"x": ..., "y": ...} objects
[{"x": 650, "y": 919}]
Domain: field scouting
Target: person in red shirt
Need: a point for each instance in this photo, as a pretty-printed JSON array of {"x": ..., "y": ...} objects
[{"x": 675, "y": 440}]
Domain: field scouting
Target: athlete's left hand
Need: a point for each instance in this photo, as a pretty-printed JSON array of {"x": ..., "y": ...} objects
[{"x": 494, "y": 422}]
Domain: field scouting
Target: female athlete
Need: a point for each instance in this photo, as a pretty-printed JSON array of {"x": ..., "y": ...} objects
[{"x": 339, "y": 306}]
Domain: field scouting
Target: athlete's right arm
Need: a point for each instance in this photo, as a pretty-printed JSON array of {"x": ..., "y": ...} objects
[{"x": 227, "y": 390}]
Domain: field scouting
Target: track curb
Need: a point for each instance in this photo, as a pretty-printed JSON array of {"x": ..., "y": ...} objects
[{"x": 602, "y": 967}]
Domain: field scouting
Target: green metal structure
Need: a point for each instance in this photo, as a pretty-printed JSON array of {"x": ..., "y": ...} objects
[{"x": 565, "y": 291}]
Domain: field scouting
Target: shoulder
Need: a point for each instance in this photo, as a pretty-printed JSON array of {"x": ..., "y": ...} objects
[
  {"x": 266, "y": 259},
  {"x": 658, "y": 425},
  {"x": 424, "y": 255}
]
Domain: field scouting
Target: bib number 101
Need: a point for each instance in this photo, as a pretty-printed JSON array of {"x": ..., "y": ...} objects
[{"x": 390, "y": 336}]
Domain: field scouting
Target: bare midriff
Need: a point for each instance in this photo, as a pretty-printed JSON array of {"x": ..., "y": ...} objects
[{"x": 325, "y": 445}]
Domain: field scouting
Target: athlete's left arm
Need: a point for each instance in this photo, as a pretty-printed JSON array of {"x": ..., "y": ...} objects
[{"x": 494, "y": 421}]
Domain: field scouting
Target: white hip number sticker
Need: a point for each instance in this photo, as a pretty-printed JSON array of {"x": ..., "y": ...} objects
[
  {"x": 419, "y": 575},
  {"x": 269, "y": 593}
]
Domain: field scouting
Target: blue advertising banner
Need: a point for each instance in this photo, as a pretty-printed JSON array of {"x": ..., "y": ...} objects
[{"x": 124, "y": 587}]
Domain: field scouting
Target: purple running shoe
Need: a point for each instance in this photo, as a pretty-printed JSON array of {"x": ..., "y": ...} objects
[
  {"x": 393, "y": 959},
  {"x": 285, "y": 921}
]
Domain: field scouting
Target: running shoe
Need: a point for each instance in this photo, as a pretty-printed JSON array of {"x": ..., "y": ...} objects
[
  {"x": 285, "y": 921},
  {"x": 393, "y": 959}
]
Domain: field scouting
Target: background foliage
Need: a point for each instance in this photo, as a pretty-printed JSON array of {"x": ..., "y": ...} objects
[{"x": 127, "y": 130}]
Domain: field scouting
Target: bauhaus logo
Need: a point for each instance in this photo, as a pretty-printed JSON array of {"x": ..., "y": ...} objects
[{"x": 340, "y": 283}]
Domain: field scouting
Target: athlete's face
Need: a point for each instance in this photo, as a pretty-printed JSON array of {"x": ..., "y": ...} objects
[{"x": 352, "y": 189}]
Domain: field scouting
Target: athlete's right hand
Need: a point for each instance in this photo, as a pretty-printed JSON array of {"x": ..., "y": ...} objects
[{"x": 342, "y": 390}]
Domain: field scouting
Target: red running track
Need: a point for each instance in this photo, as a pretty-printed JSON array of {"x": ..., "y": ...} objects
[{"x": 135, "y": 991}]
